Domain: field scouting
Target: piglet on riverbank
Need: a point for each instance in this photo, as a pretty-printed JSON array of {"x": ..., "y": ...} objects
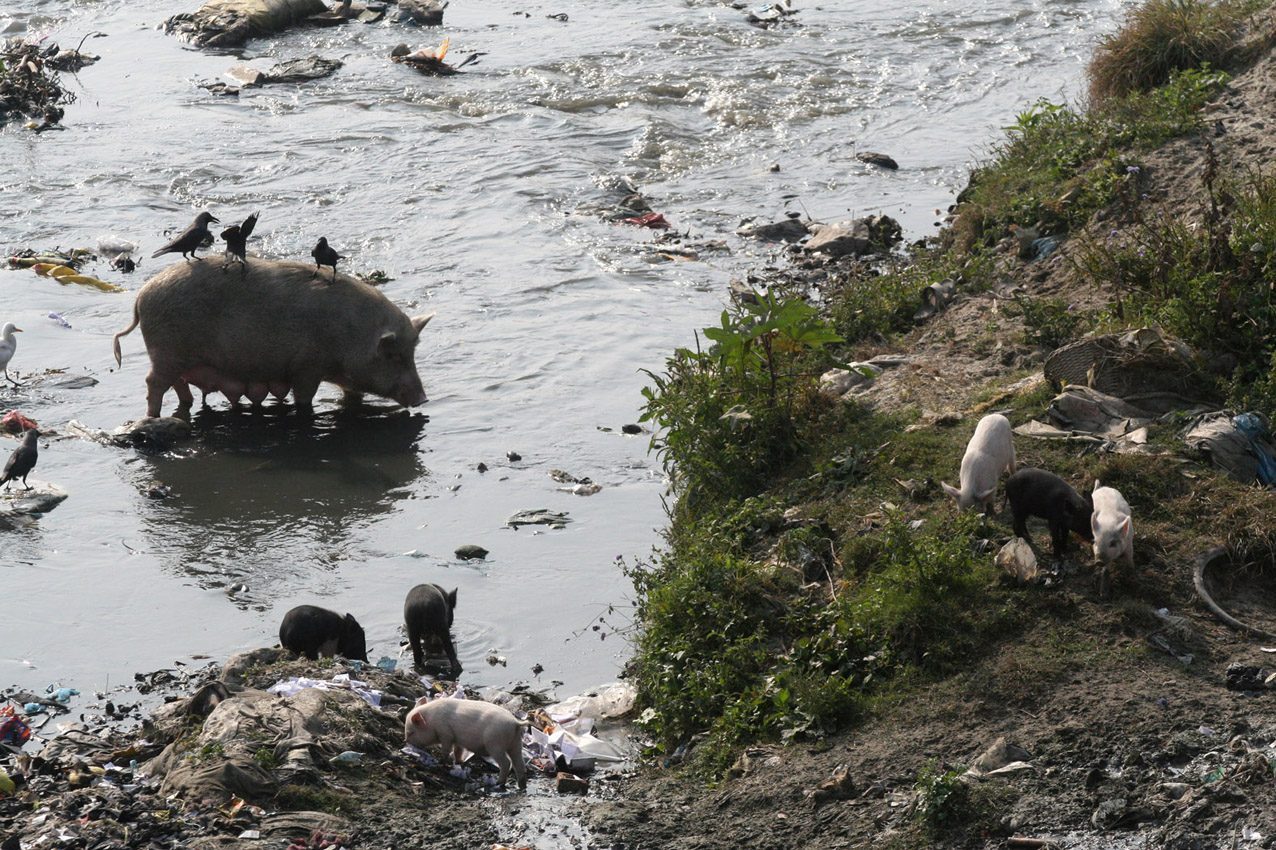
[
  {"x": 1112, "y": 526},
  {"x": 1035, "y": 492},
  {"x": 990, "y": 452},
  {"x": 480, "y": 727},
  {"x": 313, "y": 631}
]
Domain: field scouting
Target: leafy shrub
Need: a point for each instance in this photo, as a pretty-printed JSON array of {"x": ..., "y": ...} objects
[
  {"x": 725, "y": 416},
  {"x": 741, "y": 650},
  {"x": 1160, "y": 37}
]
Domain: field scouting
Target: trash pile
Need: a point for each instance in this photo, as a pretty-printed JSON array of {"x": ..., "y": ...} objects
[
  {"x": 264, "y": 748},
  {"x": 1114, "y": 387},
  {"x": 27, "y": 88}
]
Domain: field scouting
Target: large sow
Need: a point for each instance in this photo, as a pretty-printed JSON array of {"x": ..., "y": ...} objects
[{"x": 272, "y": 330}]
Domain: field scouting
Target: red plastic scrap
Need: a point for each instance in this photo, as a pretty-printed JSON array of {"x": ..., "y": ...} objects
[
  {"x": 15, "y": 423},
  {"x": 653, "y": 220}
]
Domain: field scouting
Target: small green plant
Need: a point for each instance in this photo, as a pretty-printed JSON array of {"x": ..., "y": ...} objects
[
  {"x": 943, "y": 800},
  {"x": 1049, "y": 323},
  {"x": 210, "y": 750},
  {"x": 265, "y": 756}
]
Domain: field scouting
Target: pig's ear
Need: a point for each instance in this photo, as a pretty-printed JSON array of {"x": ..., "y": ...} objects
[
  {"x": 950, "y": 489},
  {"x": 985, "y": 496},
  {"x": 451, "y": 598},
  {"x": 388, "y": 341},
  {"x": 419, "y": 322},
  {"x": 1094, "y": 524},
  {"x": 417, "y": 719},
  {"x": 1124, "y": 527}
]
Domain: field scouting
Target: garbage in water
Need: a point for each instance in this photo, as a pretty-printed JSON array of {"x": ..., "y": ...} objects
[
  {"x": 541, "y": 516},
  {"x": 61, "y": 321},
  {"x": 430, "y": 62},
  {"x": 15, "y": 423}
]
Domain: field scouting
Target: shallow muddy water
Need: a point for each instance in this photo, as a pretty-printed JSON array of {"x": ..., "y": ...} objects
[{"x": 482, "y": 196}]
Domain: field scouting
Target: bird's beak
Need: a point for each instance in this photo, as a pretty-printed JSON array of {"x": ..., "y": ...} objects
[{"x": 17, "y": 330}]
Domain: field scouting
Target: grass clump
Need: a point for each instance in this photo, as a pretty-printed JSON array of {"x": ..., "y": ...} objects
[
  {"x": 1160, "y": 37},
  {"x": 1059, "y": 165}
]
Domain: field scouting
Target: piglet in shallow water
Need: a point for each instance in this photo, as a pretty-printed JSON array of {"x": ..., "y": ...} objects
[
  {"x": 990, "y": 452},
  {"x": 1111, "y": 525},
  {"x": 427, "y": 614},
  {"x": 480, "y": 727},
  {"x": 313, "y": 631},
  {"x": 1035, "y": 492}
]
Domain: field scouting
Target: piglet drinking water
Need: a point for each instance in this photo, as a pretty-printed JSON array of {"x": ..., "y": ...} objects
[
  {"x": 480, "y": 727},
  {"x": 427, "y": 613}
]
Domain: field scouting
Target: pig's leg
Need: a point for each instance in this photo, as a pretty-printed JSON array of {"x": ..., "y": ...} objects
[
  {"x": 156, "y": 386},
  {"x": 520, "y": 769},
  {"x": 1058, "y": 537},
  {"x": 279, "y": 389},
  {"x": 303, "y": 391},
  {"x": 502, "y": 760},
  {"x": 1020, "y": 523},
  {"x": 450, "y": 648},
  {"x": 184, "y": 397}
]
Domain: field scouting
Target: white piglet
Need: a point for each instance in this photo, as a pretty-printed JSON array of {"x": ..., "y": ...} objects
[
  {"x": 480, "y": 727},
  {"x": 990, "y": 452},
  {"x": 1113, "y": 529}
]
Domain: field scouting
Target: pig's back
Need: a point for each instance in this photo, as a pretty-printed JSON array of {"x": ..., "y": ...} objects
[{"x": 255, "y": 321}]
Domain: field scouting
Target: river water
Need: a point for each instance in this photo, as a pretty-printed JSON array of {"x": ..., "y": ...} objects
[{"x": 484, "y": 196}]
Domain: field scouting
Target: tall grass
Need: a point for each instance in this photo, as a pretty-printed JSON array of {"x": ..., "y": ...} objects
[{"x": 1160, "y": 37}]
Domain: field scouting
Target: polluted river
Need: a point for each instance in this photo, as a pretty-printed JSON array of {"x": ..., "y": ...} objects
[{"x": 487, "y": 198}]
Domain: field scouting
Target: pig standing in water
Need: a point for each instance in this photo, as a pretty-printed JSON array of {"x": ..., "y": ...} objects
[
  {"x": 427, "y": 613},
  {"x": 271, "y": 331},
  {"x": 480, "y": 727},
  {"x": 313, "y": 631},
  {"x": 990, "y": 452},
  {"x": 1111, "y": 524},
  {"x": 1035, "y": 492}
]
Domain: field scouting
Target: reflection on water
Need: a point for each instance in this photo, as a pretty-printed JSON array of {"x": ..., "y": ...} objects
[{"x": 259, "y": 490}]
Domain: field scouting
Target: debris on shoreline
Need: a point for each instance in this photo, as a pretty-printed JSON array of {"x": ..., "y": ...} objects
[{"x": 266, "y": 748}]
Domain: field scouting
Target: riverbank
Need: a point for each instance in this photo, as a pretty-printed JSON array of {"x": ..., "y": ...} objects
[{"x": 818, "y": 579}]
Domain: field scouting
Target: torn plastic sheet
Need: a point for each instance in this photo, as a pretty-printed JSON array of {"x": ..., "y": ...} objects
[{"x": 290, "y": 687}]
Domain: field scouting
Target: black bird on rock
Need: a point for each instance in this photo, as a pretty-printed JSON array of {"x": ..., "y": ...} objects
[
  {"x": 236, "y": 237},
  {"x": 22, "y": 461},
  {"x": 325, "y": 255},
  {"x": 191, "y": 238}
]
